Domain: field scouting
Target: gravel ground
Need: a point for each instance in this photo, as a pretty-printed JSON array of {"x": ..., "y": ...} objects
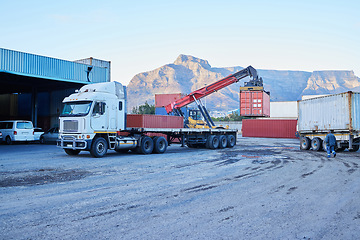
[{"x": 260, "y": 189}]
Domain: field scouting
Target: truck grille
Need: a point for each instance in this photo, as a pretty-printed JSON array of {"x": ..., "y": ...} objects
[{"x": 70, "y": 126}]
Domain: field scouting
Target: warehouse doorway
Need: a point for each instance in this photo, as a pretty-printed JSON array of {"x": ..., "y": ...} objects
[{"x": 30, "y": 98}]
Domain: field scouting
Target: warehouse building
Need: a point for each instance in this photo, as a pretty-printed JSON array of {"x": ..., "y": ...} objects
[{"x": 32, "y": 87}]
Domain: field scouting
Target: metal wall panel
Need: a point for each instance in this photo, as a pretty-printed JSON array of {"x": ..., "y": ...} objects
[
  {"x": 355, "y": 111},
  {"x": 269, "y": 128},
  {"x": 32, "y": 65},
  {"x": 97, "y": 63},
  {"x": 338, "y": 112}
]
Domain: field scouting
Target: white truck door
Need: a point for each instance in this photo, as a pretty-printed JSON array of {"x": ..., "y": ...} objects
[{"x": 99, "y": 116}]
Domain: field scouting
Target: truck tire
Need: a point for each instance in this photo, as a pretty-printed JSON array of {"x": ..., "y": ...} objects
[
  {"x": 223, "y": 141},
  {"x": 316, "y": 144},
  {"x": 324, "y": 146},
  {"x": 231, "y": 141},
  {"x": 213, "y": 142},
  {"x": 72, "y": 152},
  {"x": 354, "y": 149},
  {"x": 146, "y": 145},
  {"x": 305, "y": 143},
  {"x": 99, "y": 147},
  {"x": 160, "y": 144}
]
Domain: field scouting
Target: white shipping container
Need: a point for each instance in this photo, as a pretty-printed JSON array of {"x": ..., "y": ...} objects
[
  {"x": 339, "y": 112},
  {"x": 306, "y": 97},
  {"x": 288, "y": 110}
]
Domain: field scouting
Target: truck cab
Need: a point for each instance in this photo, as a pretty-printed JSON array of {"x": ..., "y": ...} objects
[{"x": 96, "y": 110}]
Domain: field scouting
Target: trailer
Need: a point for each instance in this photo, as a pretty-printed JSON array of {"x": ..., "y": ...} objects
[{"x": 338, "y": 113}]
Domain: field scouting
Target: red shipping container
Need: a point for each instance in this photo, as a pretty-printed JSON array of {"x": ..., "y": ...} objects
[
  {"x": 161, "y": 100},
  {"x": 269, "y": 128},
  {"x": 153, "y": 121},
  {"x": 254, "y": 103}
]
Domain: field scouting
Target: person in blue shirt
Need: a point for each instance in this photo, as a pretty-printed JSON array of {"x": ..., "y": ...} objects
[{"x": 330, "y": 141}]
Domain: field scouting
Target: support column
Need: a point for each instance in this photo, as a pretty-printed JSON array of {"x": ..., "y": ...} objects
[{"x": 34, "y": 106}]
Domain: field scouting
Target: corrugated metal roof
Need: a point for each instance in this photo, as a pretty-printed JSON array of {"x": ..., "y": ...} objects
[{"x": 32, "y": 65}]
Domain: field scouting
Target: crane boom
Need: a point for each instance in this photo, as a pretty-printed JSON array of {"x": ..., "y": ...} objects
[{"x": 218, "y": 85}]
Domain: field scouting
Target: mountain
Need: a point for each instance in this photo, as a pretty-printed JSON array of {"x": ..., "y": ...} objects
[{"x": 189, "y": 73}]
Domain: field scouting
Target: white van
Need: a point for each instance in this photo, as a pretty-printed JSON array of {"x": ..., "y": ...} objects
[{"x": 16, "y": 130}]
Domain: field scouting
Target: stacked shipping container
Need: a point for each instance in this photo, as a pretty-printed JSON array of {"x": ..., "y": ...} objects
[
  {"x": 254, "y": 103},
  {"x": 161, "y": 100}
]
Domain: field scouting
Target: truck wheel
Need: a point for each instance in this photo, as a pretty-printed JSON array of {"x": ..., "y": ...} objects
[
  {"x": 231, "y": 141},
  {"x": 355, "y": 148},
  {"x": 324, "y": 146},
  {"x": 213, "y": 142},
  {"x": 72, "y": 152},
  {"x": 160, "y": 145},
  {"x": 305, "y": 143},
  {"x": 222, "y": 141},
  {"x": 99, "y": 147},
  {"x": 8, "y": 140},
  {"x": 146, "y": 146},
  {"x": 316, "y": 144}
]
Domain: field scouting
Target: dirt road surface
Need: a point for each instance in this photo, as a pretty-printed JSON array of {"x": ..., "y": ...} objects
[{"x": 260, "y": 189}]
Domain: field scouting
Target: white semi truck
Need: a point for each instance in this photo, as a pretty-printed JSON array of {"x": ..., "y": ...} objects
[{"x": 94, "y": 119}]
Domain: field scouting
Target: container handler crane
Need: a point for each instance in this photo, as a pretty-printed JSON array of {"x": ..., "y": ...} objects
[{"x": 196, "y": 95}]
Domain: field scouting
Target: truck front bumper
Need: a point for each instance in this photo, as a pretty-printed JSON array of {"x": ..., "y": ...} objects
[{"x": 70, "y": 142}]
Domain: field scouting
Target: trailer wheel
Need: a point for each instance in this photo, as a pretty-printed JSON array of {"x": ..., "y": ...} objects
[
  {"x": 213, "y": 142},
  {"x": 305, "y": 143},
  {"x": 231, "y": 141},
  {"x": 355, "y": 148},
  {"x": 160, "y": 144},
  {"x": 223, "y": 141},
  {"x": 316, "y": 144},
  {"x": 324, "y": 146},
  {"x": 72, "y": 152},
  {"x": 99, "y": 147},
  {"x": 146, "y": 146}
]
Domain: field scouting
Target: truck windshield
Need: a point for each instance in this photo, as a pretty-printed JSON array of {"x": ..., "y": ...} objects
[{"x": 80, "y": 108}]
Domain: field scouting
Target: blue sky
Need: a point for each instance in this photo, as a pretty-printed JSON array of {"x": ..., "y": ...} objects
[{"x": 138, "y": 36}]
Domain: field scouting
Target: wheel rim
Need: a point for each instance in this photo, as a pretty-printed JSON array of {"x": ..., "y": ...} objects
[
  {"x": 161, "y": 145},
  {"x": 216, "y": 142},
  {"x": 100, "y": 147},
  {"x": 146, "y": 145}
]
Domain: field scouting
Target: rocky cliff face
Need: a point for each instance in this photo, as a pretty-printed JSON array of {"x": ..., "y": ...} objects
[{"x": 189, "y": 73}]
